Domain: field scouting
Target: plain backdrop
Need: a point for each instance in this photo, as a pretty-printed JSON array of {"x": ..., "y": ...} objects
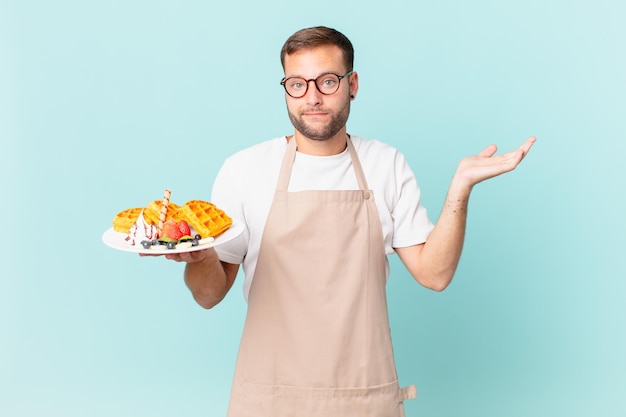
[{"x": 104, "y": 104}]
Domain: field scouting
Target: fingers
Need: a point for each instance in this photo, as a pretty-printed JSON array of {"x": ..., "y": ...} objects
[
  {"x": 521, "y": 152},
  {"x": 528, "y": 144},
  {"x": 516, "y": 156},
  {"x": 489, "y": 151},
  {"x": 188, "y": 257},
  {"x": 179, "y": 257},
  {"x": 174, "y": 257}
]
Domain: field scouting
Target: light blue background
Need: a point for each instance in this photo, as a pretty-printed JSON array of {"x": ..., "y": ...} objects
[{"x": 105, "y": 104}]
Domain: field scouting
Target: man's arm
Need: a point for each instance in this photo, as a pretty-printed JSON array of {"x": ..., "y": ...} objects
[
  {"x": 206, "y": 276},
  {"x": 434, "y": 262}
]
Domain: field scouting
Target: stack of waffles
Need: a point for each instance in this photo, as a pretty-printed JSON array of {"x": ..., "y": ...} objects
[{"x": 206, "y": 219}]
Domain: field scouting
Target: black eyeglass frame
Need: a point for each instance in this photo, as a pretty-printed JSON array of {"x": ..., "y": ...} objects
[{"x": 339, "y": 78}]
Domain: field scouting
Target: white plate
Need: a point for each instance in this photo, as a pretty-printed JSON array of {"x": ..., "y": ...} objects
[{"x": 117, "y": 240}]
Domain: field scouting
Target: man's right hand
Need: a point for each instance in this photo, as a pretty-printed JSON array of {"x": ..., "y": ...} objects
[{"x": 190, "y": 257}]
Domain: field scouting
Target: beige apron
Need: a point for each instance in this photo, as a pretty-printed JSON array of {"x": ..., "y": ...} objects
[{"x": 316, "y": 339}]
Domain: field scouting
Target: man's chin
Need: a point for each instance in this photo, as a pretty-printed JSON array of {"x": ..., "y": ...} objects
[
  {"x": 318, "y": 131},
  {"x": 316, "y": 136}
]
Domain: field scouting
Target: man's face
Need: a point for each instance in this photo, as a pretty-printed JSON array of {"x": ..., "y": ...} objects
[{"x": 315, "y": 115}]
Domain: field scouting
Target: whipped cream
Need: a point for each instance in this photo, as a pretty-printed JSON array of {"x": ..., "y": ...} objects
[{"x": 141, "y": 231}]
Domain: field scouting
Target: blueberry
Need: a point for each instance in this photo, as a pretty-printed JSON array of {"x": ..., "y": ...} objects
[
  {"x": 171, "y": 245},
  {"x": 194, "y": 242},
  {"x": 146, "y": 244},
  {"x": 197, "y": 237}
]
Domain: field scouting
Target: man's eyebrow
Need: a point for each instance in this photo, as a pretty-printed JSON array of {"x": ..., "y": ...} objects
[{"x": 303, "y": 77}]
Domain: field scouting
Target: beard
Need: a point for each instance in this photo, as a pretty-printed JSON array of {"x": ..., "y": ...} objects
[{"x": 325, "y": 132}]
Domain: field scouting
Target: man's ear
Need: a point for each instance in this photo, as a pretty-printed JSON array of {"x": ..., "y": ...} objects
[{"x": 354, "y": 85}]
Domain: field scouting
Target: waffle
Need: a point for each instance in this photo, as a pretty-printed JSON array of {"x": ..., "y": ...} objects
[
  {"x": 124, "y": 220},
  {"x": 205, "y": 218},
  {"x": 153, "y": 211}
]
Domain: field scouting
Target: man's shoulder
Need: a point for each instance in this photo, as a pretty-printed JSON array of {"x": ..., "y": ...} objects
[{"x": 374, "y": 148}]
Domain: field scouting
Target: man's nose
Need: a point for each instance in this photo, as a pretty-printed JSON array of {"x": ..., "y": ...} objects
[{"x": 312, "y": 95}]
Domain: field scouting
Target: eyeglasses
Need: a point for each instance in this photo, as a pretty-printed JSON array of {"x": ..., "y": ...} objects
[{"x": 326, "y": 84}]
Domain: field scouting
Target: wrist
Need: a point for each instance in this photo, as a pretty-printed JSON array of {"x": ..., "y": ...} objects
[{"x": 460, "y": 188}]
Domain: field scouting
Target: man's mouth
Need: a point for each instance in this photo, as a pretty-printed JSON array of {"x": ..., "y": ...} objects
[{"x": 314, "y": 113}]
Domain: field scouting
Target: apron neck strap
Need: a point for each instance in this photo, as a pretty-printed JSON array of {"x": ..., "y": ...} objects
[
  {"x": 290, "y": 156},
  {"x": 356, "y": 164}
]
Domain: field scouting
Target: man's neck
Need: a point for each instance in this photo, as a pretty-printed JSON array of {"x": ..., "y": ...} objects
[{"x": 328, "y": 147}]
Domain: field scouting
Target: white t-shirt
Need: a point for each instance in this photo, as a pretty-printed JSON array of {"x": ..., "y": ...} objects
[{"x": 245, "y": 186}]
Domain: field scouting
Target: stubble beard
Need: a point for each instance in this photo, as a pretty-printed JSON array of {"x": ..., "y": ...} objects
[{"x": 325, "y": 132}]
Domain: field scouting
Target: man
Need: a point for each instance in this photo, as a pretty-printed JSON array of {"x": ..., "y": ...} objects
[{"x": 322, "y": 210}]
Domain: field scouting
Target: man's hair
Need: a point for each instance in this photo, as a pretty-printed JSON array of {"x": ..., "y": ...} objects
[{"x": 318, "y": 36}]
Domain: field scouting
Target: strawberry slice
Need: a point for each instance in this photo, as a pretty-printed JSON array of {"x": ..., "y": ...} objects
[
  {"x": 184, "y": 228},
  {"x": 171, "y": 230}
]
